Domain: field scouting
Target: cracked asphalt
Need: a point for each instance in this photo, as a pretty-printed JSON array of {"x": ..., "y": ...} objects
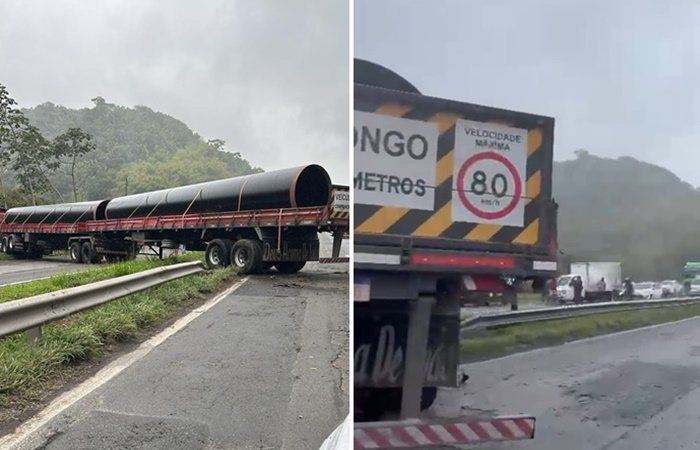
[
  {"x": 630, "y": 391},
  {"x": 266, "y": 367}
]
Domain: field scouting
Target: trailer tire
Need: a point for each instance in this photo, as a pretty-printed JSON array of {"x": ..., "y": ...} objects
[
  {"x": 88, "y": 254},
  {"x": 74, "y": 252},
  {"x": 290, "y": 266},
  {"x": 218, "y": 253},
  {"x": 3, "y": 245},
  {"x": 427, "y": 397},
  {"x": 10, "y": 243},
  {"x": 246, "y": 255}
]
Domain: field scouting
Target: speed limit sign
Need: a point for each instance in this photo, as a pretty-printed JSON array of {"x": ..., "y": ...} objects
[{"x": 489, "y": 173}]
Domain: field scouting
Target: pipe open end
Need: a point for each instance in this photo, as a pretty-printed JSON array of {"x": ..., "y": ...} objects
[{"x": 312, "y": 187}]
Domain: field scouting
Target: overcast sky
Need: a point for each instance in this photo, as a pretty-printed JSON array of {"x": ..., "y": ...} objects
[
  {"x": 619, "y": 77},
  {"x": 268, "y": 77}
]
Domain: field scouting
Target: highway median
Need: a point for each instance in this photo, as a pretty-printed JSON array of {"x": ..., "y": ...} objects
[
  {"x": 30, "y": 373},
  {"x": 489, "y": 343}
]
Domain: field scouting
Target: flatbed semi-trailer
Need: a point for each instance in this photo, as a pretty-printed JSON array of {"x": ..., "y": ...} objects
[{"x": 252, "y": 239}]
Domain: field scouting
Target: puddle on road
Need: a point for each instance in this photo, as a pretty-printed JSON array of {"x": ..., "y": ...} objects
[{"x": 632, "y": 393}]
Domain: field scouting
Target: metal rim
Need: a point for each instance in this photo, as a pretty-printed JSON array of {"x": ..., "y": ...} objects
[
  {"x": 74, "y": 252},
  {"x": 215, "y": 255},
  {"x": 241, "y": 257}
]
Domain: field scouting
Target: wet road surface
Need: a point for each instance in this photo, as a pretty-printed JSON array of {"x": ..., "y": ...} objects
[
  {"x": 634, "y": 390},
  {"x": 20, "y": 270},
  {"x": 266, "y": 367}
]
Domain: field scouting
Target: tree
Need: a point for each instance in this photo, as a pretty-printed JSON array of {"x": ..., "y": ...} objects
[
  {"x": 71, "y": 146},
  {"x": 33, "y": 160},
  {"x": 12, "y": 122}
]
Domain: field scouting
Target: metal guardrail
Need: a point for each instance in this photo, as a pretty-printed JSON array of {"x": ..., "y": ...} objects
[
  {"x": 565, "y": 312},
  {"x": 28, "y": 314}
]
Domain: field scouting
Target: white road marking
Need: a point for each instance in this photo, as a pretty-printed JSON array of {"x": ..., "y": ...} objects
[
  {"x": 105, "y": 374},
  {"x": 26, "y": 281}
]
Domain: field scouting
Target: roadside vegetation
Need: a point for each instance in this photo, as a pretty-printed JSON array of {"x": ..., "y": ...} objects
[
  {"x": 92, "y": 275},
  {"x": 28, "y": 371},
  {"x": 487, "y": 344}
]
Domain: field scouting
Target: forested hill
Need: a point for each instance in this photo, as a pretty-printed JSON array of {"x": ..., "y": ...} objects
[
  {"x": 136, "y": 149},
  {"x": 627, "y": 210}
]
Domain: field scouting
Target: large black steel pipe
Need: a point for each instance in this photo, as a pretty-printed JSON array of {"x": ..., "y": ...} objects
[
  {"x": 287, "y": 188},
  {"x": 51, "y": 214}
]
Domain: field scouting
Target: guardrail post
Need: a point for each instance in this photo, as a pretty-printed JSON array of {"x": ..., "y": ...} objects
[{"x": 33, "y": 335}]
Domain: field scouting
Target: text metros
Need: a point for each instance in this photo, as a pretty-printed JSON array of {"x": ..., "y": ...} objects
[
  {"x": 394, "y": 144},
  {"x": 394, "y": 161}
]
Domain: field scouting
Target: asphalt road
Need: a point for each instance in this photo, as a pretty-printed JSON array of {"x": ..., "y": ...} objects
[
  {"x": 630, "y": 391},
  {"x": 19, "y": 270},
  {"x": 266, "y": 367}
]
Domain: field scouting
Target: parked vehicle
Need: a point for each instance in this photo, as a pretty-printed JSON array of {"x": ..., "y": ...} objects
[
  {"x": 671, "y": 288},
  {"x": 694, "y": 287},
  {"x": 591, "y": 274},
  {"x": 648, "y": 290},
  {"x": 565, "y": 293}
]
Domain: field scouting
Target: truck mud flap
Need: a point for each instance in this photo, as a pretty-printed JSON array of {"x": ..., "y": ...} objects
[
  {"x": 380, "y": 343},
  {"x": 417, "y": 433}
]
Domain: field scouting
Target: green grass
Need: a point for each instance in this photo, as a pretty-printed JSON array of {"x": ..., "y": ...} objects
[
  {"x": 27, "y": 370},
  {"x": 92, "y": 275},
  {"x": 5, "y": 257},
  {"x": 486, "y": 344}
]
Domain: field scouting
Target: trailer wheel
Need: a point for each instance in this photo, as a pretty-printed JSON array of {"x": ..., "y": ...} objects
[
  {"x": 88, "y": 254},
  {"x": 290, "y": 266},
  {"x": 10, "y": 243},
  {"x": 3, "y": 245},
  {"x": 75, "y": 253},
  {"x": 246, "y": 254},
  {"x": 218, "y": 253},
  {"x": 427, "y": 398}
]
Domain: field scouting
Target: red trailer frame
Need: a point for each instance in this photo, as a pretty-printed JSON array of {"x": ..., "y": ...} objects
[{"x": 273, "y": 228}]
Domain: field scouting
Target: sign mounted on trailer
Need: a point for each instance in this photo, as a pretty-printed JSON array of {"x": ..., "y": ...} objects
[
  {"x": 394, "y": 161},
  {"x": 485, "y": 177},
  {"x": 341, "y": 201},
  {"x": 489, "y": 173}
]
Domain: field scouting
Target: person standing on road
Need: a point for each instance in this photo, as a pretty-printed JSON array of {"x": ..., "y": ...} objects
[
  {"x": 686, "y": 287},
  {"x": 552, "y": 289},
  {"x": 577, "y": 284},
  {"x": 629, "y": 289},
  {"x": 601, "y": 285}
]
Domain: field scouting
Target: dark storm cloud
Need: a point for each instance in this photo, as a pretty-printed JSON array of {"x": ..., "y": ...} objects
[
  {"x": 269, "y": 77},
  {"x": 620, "y": 77}
]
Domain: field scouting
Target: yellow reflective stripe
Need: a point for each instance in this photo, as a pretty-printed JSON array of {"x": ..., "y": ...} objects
[
  {"x": 529, "y": 234},
  {"x": 381, "y": 220},
  {"x": 437, "y": 223}
]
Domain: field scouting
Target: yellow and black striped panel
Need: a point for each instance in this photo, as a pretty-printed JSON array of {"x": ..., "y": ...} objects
[
  {"x": 340, "y": 214},
  {"x": 370, "y": 219}
]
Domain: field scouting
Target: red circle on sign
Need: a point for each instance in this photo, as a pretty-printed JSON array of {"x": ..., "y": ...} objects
[{"x": 463, "y": 196}]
